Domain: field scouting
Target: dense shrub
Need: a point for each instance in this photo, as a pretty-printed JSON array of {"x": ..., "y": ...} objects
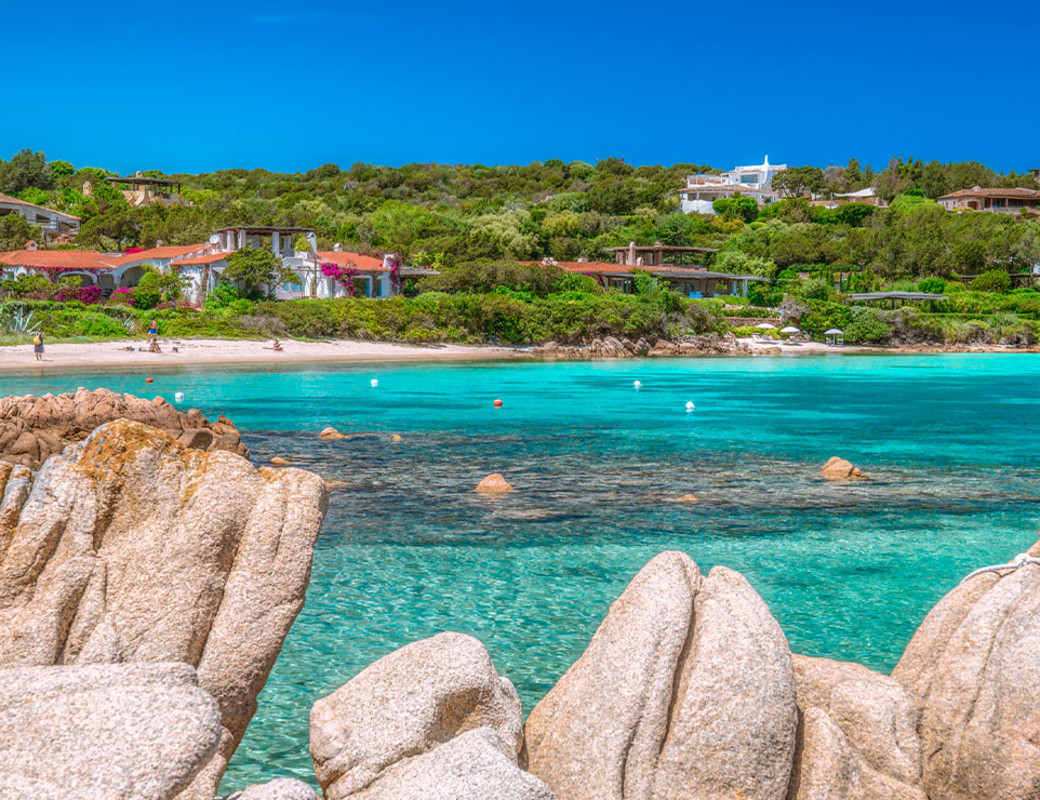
[
  {"x": 867, "y": 326},
  {"x": 994, "y": 280}
]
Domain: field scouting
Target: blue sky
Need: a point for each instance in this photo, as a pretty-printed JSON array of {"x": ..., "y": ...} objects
[{"x": 196, "y": 86}]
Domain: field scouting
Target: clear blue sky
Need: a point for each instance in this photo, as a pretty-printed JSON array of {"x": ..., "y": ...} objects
[{"x": 196, "y": 86}]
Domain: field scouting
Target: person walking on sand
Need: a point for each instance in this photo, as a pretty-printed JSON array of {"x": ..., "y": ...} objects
[
  {"x": 153, "y": 330},
  {"x": 38, "y": 345}
]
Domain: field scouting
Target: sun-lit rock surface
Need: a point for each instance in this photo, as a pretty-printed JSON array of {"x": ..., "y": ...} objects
[
  {"x": 838, "y": 469},
  {"x": 494, "y": 484},
  {"x": 407, "y": 704},
  {"x": 686, "y": 690},
  {"x": 131, "y": 547},
  {"x": 973, "y": 666},
  {"x": 32, "y": 429},
  {"x": 140, "y": 731},
  {"x": 858, "y": 735}
]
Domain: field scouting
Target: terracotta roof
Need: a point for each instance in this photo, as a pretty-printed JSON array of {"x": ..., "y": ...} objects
[
  {"x": 607, "y": 266},
  {"x": 977, "y": 192},
  {"x": 208, "y": 258},
  {"x": 362, "y": 262},
  {"x": 167, "y": 251},
  {"x": 6, "y": 198},
  {"x": 55, "y": 259}
]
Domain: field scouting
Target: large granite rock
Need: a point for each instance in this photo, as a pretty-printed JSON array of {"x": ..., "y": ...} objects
[
  {"x": 131, "y": 547},
  {"x": 32, "y": 429},
  {"x": 475, "y": 765},
  {"x": 857, "y": 735},
  {"x": 686, "y": 690},
  {"x": 141, "y": 731},
  {"x": 410, "y": 703},
  {"x": 974, "y": 669}
]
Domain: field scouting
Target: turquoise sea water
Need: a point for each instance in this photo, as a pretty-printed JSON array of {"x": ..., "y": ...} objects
[{"x": 408, "y": 549}]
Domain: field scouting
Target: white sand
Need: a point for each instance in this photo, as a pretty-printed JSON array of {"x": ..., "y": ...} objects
[{"x": 222, "y": 351}]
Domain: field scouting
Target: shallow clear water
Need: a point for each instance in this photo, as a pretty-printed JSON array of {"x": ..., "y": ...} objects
[{"x": 408, "y": 549}]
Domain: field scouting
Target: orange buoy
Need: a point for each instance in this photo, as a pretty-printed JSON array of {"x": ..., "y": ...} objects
[
  {"x": 498, "y": 403},
  {"x": 147, "y": 380}
]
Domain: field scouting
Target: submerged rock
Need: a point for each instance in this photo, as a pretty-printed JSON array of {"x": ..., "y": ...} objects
[
  {"x": 396, "y": 437},
  {"x": 494, "y": 484},
  {"x": 685, "y": 691},
  {"x": 973, "y": 666},
  {"x": 838, "y": 469},
  {"x": 331, "y": 433},
  {"x": 407, "y": 705},
  {"x": 278, "y": 461},
  {"x": 857, "y": 735},
  {"x": 132, "y": 548},
  {"x": 279, "y": 789},
  {"x": 683, "y": 498},
  {"x": 32, "y": 429},
  {"x": 141, "y": 731}
]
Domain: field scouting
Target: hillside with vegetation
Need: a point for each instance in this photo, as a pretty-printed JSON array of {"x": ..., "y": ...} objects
[{"x": 474, "y": 222}]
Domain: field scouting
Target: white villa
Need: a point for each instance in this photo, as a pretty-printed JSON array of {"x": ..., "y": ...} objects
[
  {"x": 203, "y": 264},
  {"x": 751, "y": 181},
  {"x": 52, "y": 223}
]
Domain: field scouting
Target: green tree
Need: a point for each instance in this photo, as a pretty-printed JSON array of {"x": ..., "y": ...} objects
[
  {"x": 15, "y": 232},
  {"x": 256, "y": 270},
  {"x": 799, "y": 181},
  {"x": 737, "y": 207},
  {"x": 25, "y": 169}
]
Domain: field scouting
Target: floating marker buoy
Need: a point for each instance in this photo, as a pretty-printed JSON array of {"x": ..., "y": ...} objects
[
  {"x": 689, "y": 406},
  {"x": 148, "y": 380},
  {"x": 498, "y": 403},
  {"x": 637, "y": 384},
  {"x": 178, "y": 396},
  {"x": 374, "y": 383}
]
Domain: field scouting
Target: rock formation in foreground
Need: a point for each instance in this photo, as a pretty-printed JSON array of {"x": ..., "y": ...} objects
[
  {"x": 141, "y": 731},
  {"x": 32, "y": 429},
  {"x": 131, "y": 547},
  {"x": 431, "y": 720},
  {"x": 686, "y": 690},
  {"x": 838, "y": 469},
  {"x": 857, "y": 735},
  {"x": 974, "y": 669}
]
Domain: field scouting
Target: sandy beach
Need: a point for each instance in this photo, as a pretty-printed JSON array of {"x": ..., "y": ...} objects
[
  {"x": 190, "y": 352},
  {"x": 112, "y": 355}
]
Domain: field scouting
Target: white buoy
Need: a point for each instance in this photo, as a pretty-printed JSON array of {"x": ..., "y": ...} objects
[
  {"x": 178, "y": 396},
  {"x": 689, "y": 406},
  {"x": 374, "y": 383},
  {"x": 637, "y": 384}
]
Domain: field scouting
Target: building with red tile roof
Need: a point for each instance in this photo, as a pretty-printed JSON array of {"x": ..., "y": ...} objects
[
  {"x": 51, "y": 222},
  {"x": 1000, "y": 201}
]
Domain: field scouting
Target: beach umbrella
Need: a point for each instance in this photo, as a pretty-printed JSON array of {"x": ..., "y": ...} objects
[
  {"x": 765, "y": 326},
  {"x": 790, "y": 329},
  {"x": 834, "y": 332}
]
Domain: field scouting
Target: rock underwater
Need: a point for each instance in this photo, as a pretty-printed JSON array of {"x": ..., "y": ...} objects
[
  {"x": 32, "y": 429},
  {"x": 686, "y": 690},
  {"x": 131, "y": 547}
]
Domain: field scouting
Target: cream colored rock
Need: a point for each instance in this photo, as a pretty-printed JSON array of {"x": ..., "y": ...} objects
[
  {"x": 132, "y": 548},
  {"x": 278, "y": 461},
  {"x": 494, "y": 484},
  {"x": 974, "y": 669},
  {"x": 683, "y": 499},
  {"x": 331, "y": 433},
  {"x": 406, "y": 704},
  {"x": 279, "y": 789},
  {"x": 32, "y": 429},
  {"x": 858, "y": 738},
  {"x": 396, "y": 437},
  {"x": 838, "y": 469},
  {"x": 141, "y": 731},
  {"x": 685, "y": 691},
  {"x": 475, "y": 764}
]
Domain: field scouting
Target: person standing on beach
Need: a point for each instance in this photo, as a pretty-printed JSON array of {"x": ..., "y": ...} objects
[
  {"x": 153, "y": 330},
  {"x": 38, "y": 345}
]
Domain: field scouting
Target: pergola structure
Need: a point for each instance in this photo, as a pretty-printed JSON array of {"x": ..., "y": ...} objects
[
  {"x": 897, "y": 297},
  {"x": 656, "y": 254},
  {"x": 239, "y": 237},
  {"x": 143, "y": 190}
]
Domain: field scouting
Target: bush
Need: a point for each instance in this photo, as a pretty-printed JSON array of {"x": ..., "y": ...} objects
[
  {"x": 867, "y": 326},
  {"x": 147, "y": 293},
  {"x": 994, "y": 280},
  {"x": 931, "y": 285}
]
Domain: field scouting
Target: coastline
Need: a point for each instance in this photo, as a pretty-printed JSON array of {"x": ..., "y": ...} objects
[{"x": 202, "y": 352}]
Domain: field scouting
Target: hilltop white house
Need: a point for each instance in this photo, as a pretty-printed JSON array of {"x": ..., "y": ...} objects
[{"x": 751, "y": 181}]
